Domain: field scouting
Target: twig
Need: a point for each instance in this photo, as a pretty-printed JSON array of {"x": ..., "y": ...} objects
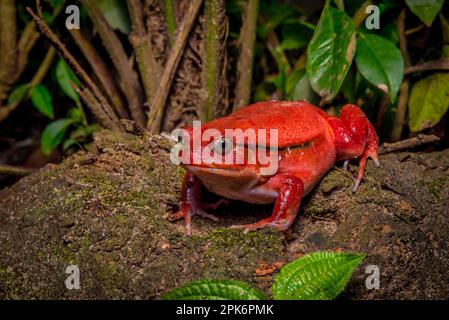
[
  {"x": 246, "y": 57},
  {"x": 106, "y": 110},
  {"x": 8, "y": 170},
  {"x": 158, "y": 103},
  {"x": 150, "y": 69},
  {"x": 403, "y": 92},
  {"x": 44, "y": 67},
  {"x": 101, "y": 71},
  {"x": 419, "y": 140},
  {"x": 414, "y": 30},
  {"x": 442, "y": 64},
  {"x": 361, "y": 14},
  {"x": 129, "y": 81}
]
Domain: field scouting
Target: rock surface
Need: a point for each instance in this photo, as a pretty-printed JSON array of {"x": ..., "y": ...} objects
[{"x": 106, "y": 213}]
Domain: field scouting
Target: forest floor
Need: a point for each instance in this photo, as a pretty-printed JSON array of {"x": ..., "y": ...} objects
[{"x": 106, "y": 213}]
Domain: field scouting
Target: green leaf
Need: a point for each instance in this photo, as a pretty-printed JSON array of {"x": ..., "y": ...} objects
[
  {"x": 330, "y": 52},
  {"x": 116, "y": 14},
  {"x": 315, "y": 276},
  {"x": 65, "y": 78},
  {"x": 214, "y": 290},
  {"x": 18, "y": 94},
  {"x": 429, "y": 101},
  {"x": 426, "y": 10},
  {"x": 303, "y": 91},
  {"x": 54, "y": 134},
  {"x": 380, "y": 62},
  {"x": 42, "y": 100}
]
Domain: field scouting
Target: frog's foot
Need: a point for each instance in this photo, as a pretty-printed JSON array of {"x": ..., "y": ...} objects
[
  {"x": 187, "y": 211},
  {"x": 213, "y": 206},
  {"x": 285, "y": 208},
  {"x": 279, "y": 225}
]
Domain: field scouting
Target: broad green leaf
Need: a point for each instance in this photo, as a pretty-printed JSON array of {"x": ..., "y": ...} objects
[
  {"x": 330, "y": 52},
  {"x": 54, "y": 134},
  {"x": 303, "y": 91},
  {"x": 66, "y": 77},
  {"x": 380, "y": 62},
  {"x": 18, "y": 94},
  {"x": 116, "y": 14},
  {"x": 429, "y": 101},
  {"x": 316, "y": 276},
  {"x": 214, "y": 290},
  {"x": 42, "y": 100},
  {"x": 426, "y": 10}
]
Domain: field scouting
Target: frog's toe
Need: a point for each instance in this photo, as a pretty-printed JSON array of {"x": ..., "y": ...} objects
[
  {"x": 204, "y": 214},
  {"x": 279, "y": 225}
]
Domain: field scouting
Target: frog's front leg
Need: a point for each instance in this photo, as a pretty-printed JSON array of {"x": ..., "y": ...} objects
[
  {"x": 190, "y": 202},
  {"x": 290, "y": 192}
]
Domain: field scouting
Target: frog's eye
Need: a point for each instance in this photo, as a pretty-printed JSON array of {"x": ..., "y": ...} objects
[
  {"x": 223, "y": 146},
  {"x": 180, "y": 140}
]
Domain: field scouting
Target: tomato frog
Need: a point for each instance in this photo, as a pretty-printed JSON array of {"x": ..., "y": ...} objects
[{"x": 309, "y": 142}]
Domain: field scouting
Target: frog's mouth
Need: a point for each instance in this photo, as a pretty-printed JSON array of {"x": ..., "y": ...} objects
[{"x": 240, "y": 173}]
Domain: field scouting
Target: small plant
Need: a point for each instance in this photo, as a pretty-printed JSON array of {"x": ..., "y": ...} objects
[{"x": 316, "y": 276}]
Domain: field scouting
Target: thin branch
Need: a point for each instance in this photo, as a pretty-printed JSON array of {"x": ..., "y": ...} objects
[
  {"x": 415, "y": 29},
  {"x": 37, "y": 78},
  {"x": 246, "y": 57},
  {"x": 44, "y": 67},
  {"x": 404, "y": 90},
  {"x": 360, "y": 15},
  {"x": 442, "y": 64},
  {"x": 411, "y": 143},
  {"x": 8, "y": 46},
  {"x": 150, "y": 69},
  {"x": 106, "y": 110},
  {"x": 27, "y": 40},
  {"x": 95, "y": 106},
  {"x": 128, "y": 78},
  {"x": 101, "y": 71},
  {"x": 214, "y": 63},
  {"x": 8, "y": 170},
  {"x": 158, "y": 103}
]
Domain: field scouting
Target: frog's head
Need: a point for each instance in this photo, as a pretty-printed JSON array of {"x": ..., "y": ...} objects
[{"x": 225, "y": 156}]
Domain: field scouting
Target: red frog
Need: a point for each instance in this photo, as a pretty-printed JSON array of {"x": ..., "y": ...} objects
[{"x": 309, "y": 143}]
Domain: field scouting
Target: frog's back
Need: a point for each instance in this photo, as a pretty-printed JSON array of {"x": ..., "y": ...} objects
[{"x": 297, "y": 122}]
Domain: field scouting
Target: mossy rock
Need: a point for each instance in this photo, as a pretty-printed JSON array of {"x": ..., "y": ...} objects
[{"x": 106, "y": 213}]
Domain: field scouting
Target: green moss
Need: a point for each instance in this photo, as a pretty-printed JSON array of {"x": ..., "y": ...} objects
[
  {"x": 227, "y": 238},
  {"x": 434, "y": 187}
]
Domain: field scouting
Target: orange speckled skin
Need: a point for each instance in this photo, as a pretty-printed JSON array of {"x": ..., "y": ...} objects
[{"x": 309, "y": 143}]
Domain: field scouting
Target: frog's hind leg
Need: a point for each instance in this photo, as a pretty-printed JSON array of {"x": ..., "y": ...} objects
[
  {"x": 355, "y": 138},
  {"x": 286, "y": 205}
]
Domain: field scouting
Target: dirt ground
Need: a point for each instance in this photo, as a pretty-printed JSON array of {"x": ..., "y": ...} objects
[{"x": 107, "y": 212}]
